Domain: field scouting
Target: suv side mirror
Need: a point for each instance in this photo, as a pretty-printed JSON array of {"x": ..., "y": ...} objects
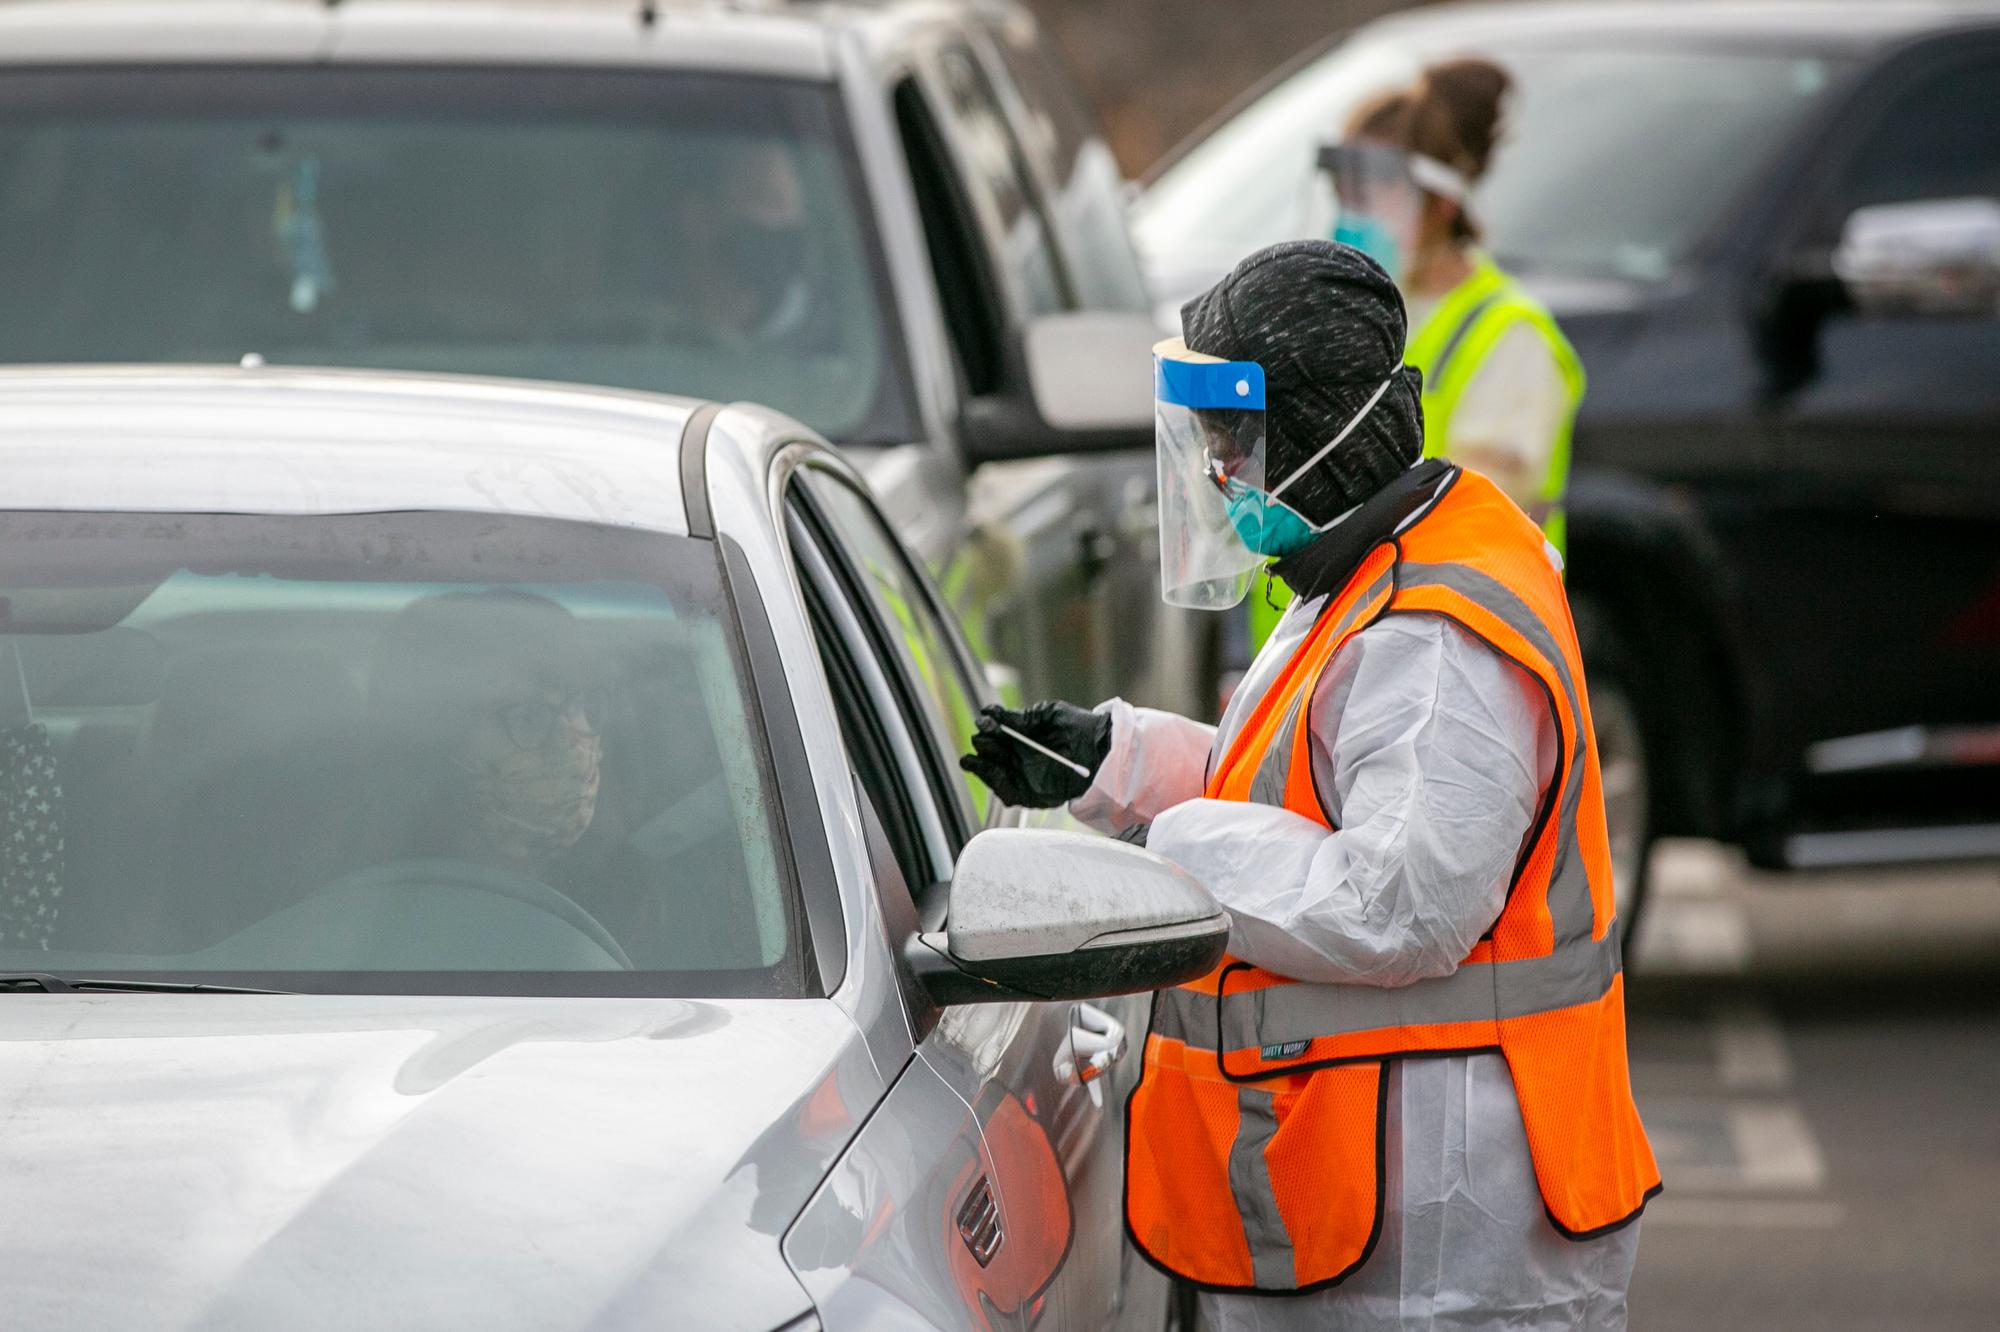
[
  {"x": 1079, "y": 382},
  {"x": 1037, "y": 913},
  {"x": 1936, "y": 257}
]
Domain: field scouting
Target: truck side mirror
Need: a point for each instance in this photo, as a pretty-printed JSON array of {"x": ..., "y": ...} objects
[
  {"x": 1937, "y": 258},
  {"x": 1077, "y": 382}
]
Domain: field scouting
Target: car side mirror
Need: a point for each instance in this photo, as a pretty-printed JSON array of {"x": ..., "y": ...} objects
[
  {"x": 1078, "y": 382},
  {"x": 1037, "y": 913},
  {"x": 1939, "y": 258}
]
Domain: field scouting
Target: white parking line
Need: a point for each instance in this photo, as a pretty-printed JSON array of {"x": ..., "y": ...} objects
[
  {"x": 1775, "y": 1148},
  {"x": 1698, "y": 935},
  {"x": 1750, "y": 1052},
  {"x": 1748, "y": 1213}
]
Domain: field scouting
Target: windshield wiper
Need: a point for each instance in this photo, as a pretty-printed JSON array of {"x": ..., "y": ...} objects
[{"x": 27, "y": 980}]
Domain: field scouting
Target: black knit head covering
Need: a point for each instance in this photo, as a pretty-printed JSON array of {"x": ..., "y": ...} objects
[{"x": 1327, "y": 325}]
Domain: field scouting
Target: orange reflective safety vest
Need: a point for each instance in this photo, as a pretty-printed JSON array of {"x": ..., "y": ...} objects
[{"x": 1255, "y": 1140}]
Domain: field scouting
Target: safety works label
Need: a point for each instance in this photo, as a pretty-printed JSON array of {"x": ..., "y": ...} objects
[{"x": 1289, "y": 1050}]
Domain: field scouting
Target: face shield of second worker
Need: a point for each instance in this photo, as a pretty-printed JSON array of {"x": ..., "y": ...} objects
[
  {"x": 1379, "y": 191},
  {"x": 1208, "y": 427}
]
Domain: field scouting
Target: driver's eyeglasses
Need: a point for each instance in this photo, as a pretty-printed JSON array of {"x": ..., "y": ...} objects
[{"x": 535, "y": 723}]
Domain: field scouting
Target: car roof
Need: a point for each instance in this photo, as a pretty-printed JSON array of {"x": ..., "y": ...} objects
[
  {"x": 278, "y": 440},
  {"x": 780, "y": 37},
  {"x": 1856, "y": 25}
]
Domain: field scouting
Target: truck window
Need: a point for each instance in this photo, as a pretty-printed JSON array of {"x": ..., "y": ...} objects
[
  {"x": 1061, "y": 133},
  {"x": 1000, "y": 183},
  {"x": 1938, "y": 140},
  {"x": 965, "y": 284}
]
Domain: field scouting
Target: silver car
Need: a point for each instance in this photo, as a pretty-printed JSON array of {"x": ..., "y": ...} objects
[
  {"x": 478, "y": 854},
  {"x": 875, "y": 218}
]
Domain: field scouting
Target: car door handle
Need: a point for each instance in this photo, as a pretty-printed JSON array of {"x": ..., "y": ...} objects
[{"x": 1096, "y": 1044}]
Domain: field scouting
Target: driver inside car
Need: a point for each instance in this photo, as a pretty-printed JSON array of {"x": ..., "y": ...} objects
[{"x": 483, "y": 733}]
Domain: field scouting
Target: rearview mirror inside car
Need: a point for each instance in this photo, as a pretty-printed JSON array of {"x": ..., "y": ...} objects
[
  {"x": 1936, "y": 257},
  {"x": 1042, "y": 914},
  {"x": 1077, "y": 382}
]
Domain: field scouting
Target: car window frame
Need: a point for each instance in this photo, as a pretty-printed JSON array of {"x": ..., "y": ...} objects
[
  {"x": 936, "y": 752},
  {"x": 856, "y": 654}
]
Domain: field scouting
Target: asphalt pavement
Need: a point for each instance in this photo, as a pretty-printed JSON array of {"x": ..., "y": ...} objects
[{"x": 1818, "y": 1062}]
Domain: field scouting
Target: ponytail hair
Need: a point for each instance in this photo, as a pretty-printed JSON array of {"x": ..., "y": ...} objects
[{"x": 1452, "y": 113}]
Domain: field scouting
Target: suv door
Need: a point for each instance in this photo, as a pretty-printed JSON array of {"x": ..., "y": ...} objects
[
  {"x": 1162, "y": 655},
  {"x": 1886, "y": 529},
  {"x": 1037, "y": 587},
  {"x": 1054, "y": 1141}
]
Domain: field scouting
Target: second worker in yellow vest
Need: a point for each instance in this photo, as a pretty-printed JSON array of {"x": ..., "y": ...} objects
[
  {"x": 1403, "y": 1099},
  {"x": 1501, "y": 382}
]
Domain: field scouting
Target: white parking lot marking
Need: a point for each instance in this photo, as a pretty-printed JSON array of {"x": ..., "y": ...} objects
[
  {"x": 1747, "y": 1213},
  {"x": 1750, "y": 1054}
]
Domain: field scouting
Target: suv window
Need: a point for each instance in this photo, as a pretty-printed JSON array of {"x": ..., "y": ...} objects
[
  {"x": 965, "y": 282},
  {"x": 652, "y": 229},
  {"x": 1089, "y": 204},
  {"x": 1000, "y": 180},
  {"x": 920, "y": 643},
  {"x": 1937, "y": 140}
]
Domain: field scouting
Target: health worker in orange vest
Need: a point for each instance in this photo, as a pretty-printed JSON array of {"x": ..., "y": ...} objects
[{"x": 1403, "y": 1098}]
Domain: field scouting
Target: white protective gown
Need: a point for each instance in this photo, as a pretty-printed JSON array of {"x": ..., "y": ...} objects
[{"x": 1433, "y": 751}]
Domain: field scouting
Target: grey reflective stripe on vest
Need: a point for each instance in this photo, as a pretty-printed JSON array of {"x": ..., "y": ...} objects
[
  {"x": 1575, "y": 973},
  {"x": 1569, "y": 887},
  {"x": 1273, "y": 775},
  {"x": 1277, "y": 1015},
  {"x": 1256, "y": 1199},
  {"x": 1267, "y": 785}
]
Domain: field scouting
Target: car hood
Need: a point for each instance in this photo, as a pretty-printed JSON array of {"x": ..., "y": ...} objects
[{"x": 221, "y": 1161}]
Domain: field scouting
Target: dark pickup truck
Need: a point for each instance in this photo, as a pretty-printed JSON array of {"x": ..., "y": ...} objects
[{"x": 1773, "y": 232}]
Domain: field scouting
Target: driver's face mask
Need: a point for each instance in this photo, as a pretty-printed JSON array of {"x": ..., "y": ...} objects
[
  {"x": 1381, "y": 191},
  {"x": 1221, "y": 517},
  {"x": 535, "y": 766}
]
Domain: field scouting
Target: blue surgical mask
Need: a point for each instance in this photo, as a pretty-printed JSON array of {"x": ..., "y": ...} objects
[
  {"x": 1370, "y": 236},
  {"x": 1268, "y": 526}
]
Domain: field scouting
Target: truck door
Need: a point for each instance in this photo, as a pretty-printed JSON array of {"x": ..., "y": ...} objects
[{"x": 1889, "y": 430}]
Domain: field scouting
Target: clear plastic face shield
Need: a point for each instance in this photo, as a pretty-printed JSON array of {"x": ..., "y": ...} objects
[
  {"x": 1222, "y": 515},
  {"x": 1208, "y": 430},
  {"x": 1379, "y": 192}
]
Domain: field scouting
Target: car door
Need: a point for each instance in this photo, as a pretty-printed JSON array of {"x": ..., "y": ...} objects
[
  {"x": 1054, "y": 1139},
  {"x": 1885, "y": 524}
]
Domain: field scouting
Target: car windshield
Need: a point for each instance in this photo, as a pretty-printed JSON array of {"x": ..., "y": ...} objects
[
  {"x": 1616, "y": 162},
  {"x": 408, "y": 753},
  {"x": 673, "y": 232}
]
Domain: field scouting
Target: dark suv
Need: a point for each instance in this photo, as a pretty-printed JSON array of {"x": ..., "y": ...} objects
[{"x": 1773, "y": 232}]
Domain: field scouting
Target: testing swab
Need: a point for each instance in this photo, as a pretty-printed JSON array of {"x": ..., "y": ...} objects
[{"x": 1046, "y": 752}]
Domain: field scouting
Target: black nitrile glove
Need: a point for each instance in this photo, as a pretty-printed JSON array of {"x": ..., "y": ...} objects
[{"x": 1029, "y": 780}]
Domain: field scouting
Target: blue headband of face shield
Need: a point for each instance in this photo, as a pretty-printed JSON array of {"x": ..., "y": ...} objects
[
  {"x": 1208, "y": 385},
  {"x": 1266, "y": 527}
]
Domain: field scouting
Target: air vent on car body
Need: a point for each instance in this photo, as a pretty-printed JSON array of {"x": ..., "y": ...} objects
[{"x": 979, "y": 1223}]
